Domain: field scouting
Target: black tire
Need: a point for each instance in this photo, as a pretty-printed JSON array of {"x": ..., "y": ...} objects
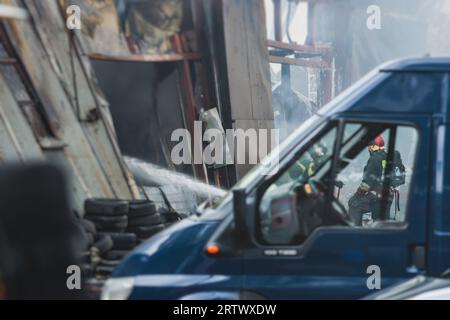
[
  {"x": 87, "y": 270},
  {"x": 96, "y": 218},
  {"x": 110, "y": 224},
  {"x": 163, "y": 210},
  {"x": 146, "y": 221},
  {"x": 146, "y": 232},
  {"x": 110, "y": 263},
  {"x": 104, "y": 244},
  {"x": 104, "y": 270},
  {"x": 107, "y": 207},
  {"x": 169, "y": 215},
  {"x": 116, "y": 227},
  {"x": 89, "y": 226},
  {"x": 139, "y": 208},
  {"x": 115, "y": 254},
  {"x": 122, "y": 241}
]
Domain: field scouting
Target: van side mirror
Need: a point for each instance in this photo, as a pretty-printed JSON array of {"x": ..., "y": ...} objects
[{"x": 239, "y": 208}]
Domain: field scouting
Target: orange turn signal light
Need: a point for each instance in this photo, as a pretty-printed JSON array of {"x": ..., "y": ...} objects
[
  {"x": 308, "y": 189},
  {"x": 213, "y": 249}
]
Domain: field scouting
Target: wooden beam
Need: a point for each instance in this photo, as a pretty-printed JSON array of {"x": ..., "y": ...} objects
[
  {"x": 298, "y": 47},
  {"x": 12, "y": 12},
  {"x": 8, "y": 61},
  {"x": 300, "y": 62},
  {"x": 248, "y": 68},
  {"x": 170, "y": 57},
  {"x": 247, "y": 60}
]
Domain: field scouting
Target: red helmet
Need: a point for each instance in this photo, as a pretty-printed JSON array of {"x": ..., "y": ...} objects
[{"x": 378, "y": 141}]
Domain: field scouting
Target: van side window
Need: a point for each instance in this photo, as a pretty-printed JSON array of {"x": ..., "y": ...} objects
[{"x": 365, "y": 186}]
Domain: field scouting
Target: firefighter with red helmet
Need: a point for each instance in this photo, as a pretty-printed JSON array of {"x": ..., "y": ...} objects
[{"x": 370, "y": 192}]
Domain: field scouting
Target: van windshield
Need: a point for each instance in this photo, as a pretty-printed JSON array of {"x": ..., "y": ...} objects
[
  {"x": 267, "y": 165},
  {"x": 258, "y": 172}
]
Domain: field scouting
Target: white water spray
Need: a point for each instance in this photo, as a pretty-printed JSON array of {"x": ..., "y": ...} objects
[{"x": 148, "y": 174}]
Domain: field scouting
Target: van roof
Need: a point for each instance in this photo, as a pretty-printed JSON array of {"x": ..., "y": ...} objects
[{"x": 426, "y": 64}]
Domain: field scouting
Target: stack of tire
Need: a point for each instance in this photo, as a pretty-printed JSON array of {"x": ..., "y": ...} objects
[
  {"x": 145, "y": 219},
  {"x": 114, "y": 227},
  {"x": 111, "y": 243}
]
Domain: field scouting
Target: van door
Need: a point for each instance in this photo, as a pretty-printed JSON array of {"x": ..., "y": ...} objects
[
  {"x": 306, "y": 245},
  {"x": 439, "y": 222}
]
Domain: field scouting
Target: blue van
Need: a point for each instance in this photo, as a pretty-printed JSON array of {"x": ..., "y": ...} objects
[{"x": 278, "y": 235}]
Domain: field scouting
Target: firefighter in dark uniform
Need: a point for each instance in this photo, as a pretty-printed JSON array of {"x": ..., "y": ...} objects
[
  {"x": 306, "y": 166},
  {"x": 370, "y": 192}
]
